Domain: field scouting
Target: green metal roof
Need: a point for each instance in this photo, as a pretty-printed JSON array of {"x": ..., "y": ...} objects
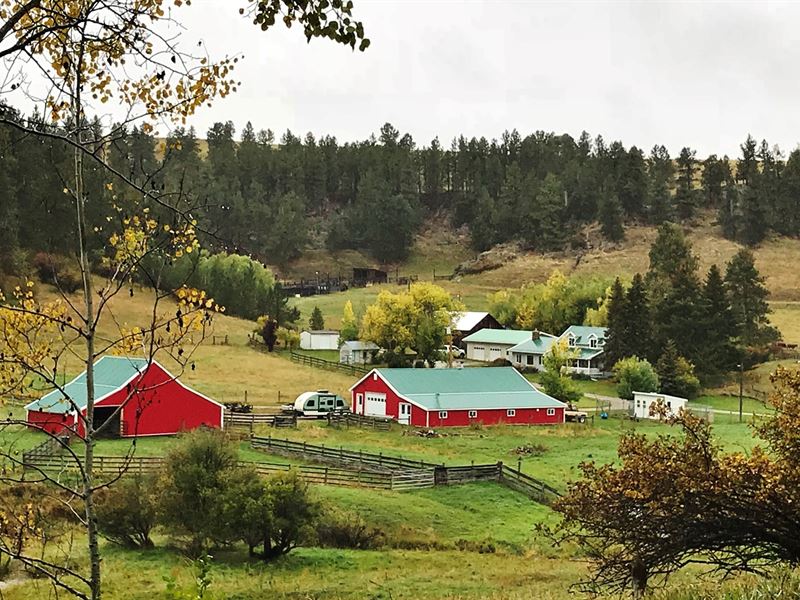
[
  {"x": 110, "y": 374},
  {"x": 538, "y": 346},
  {"x": 582, "y": 333},
  {"x": 470, "y": 388},
  {"x": 498, "y": 336}
]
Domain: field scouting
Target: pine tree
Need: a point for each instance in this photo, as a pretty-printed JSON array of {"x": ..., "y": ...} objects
[
  {"x": 716, "y": 173},
  {"x": 610, "y": 216},
  {"x": 637, "y": 318},
  {"x": 616, "y": 348},
  {"x": 747, "y": 295},
  {"x": 659, "y": 173},
  {"x": 716, "y": 328},
  {"x": 317, "y": 321},
  {"x": 685, "y": 196},
  {"x": 676, "y": 374}
]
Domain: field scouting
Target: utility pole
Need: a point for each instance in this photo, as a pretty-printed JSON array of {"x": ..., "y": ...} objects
[{"x": 741, "y": 388}]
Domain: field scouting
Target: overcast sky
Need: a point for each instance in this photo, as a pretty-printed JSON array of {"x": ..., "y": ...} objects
[{"x": 697, "y": 74}]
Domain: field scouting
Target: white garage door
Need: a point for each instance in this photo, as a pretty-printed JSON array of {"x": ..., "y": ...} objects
[
  {"x": 375, "y": 404},
  {"x": 477, "y": 352},
  {"x": 495, "y": 353}
]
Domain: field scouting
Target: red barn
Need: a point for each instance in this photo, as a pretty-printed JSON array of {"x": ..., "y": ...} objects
[
  {"x": 152, "y": 401},
  {"x": 454, "y": 397}
]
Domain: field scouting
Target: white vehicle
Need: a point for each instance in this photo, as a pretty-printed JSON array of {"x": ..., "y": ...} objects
[
  {"x": 316, "y": 404},
  {"x": 456, "y": 351}
]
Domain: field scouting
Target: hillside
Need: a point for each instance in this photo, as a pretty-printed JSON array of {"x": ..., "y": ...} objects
[
  {"x": 442, "y": 249},
  {"x": 224, "y": 372}
]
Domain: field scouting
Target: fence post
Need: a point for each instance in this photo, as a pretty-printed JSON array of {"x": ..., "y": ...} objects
[
  {"x": 326, "y": 475},
  {"x": 519, "y": 465},
  {"x": 361, "y": 457}
]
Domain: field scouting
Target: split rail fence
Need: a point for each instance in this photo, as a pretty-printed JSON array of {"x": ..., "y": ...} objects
[
  {"x": 347, "y": 418},
  {"x": 250, "y": 420}
]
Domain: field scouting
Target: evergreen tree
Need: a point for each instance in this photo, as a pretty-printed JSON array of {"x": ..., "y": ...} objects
[
  {"x": 716, "y": 174},
  {"x": 685, "y": 196},
  {"x": 676, "y": 374},
  {"x": 549, "y": 209},
  {"x": 660, "y": 172},
  {"x": 617, "y": 338},
  {"x": 317, "y": 321},
  {"x": 717, "y": 326},
  {"x": 610, "y": 216},
  {"x": 747, "y": 296},
  {"x": 632, "y": 188},
  {"x": 637, "y": 318}
]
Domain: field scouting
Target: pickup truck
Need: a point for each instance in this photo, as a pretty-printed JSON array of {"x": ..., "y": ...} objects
[{"x": 573, "y": 415}]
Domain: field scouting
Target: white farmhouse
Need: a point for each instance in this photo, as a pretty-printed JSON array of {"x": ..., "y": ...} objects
[
  {"x": 640, "y": 405},
  {"x": 318, "y": 339},
  {"x": 588, "y": 342}
]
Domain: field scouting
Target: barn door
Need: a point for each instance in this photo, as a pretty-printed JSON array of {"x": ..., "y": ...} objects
[
  {"x": 404, "y": 416},
  {"x": 375, "y": 404},
  {"x": 359, "y": 404}
]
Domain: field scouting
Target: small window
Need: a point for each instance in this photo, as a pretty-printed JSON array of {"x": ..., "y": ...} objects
[
  {"x": 593, "y": 342},
  {"x": 340, "y": 402},
  {"x": 473, "y": 414},
  {"x": 511, "y": 412},
  {"x": 311, "y": 403},
  {"x": 551, "y": 412},
  {"x": 442, "y": 414},
  {"x": 530, "y": 359}
]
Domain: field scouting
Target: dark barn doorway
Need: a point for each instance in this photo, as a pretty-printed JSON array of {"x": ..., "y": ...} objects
[{"x": 103, "y": 414}]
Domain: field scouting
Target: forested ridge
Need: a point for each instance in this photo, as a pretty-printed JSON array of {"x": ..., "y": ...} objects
[{"x": 271, "y": 197}]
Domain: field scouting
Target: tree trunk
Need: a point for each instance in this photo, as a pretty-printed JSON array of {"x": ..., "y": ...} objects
[
  {"x": 89, "y": 333},
  {"x": 638, "y": 579}
]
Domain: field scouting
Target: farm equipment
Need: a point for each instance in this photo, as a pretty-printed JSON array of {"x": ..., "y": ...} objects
[{"x": 573, "y": 415}]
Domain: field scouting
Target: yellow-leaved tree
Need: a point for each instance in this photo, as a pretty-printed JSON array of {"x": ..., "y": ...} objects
[
  {"x": 417, "y": 319},
  {"x": 77, "y": 57}
]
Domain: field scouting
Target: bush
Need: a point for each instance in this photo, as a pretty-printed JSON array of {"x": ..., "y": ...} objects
[
  {"x": 292, "y": 512},
  {"x": 339, "y": 529},
  {"x": 126, "y": 512},
  {"x": 192, "y": 486},
  {"x": 486, "y": 546},
  {"x": 634, "y": 374},
  {"x": 500, "y": 362},
  {"x": 57, "y": 270}
]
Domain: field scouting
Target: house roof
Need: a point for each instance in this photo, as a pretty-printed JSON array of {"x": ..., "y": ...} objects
[
  {"x": 583, "y": 332},
  {"x": 110, "y": 374},
  {"x": 655, "y": 395},
  {"x": 464, "y": 389},
  {"x": 359, "y": 345},
  {"x": 466, "y": 321},
  {"x": 498, "y": 336},
  {"x": 537, "y": 346}
]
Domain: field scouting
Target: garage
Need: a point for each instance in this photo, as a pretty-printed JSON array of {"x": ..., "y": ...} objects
[
  {"x": 375, "y": 404},
  {"x": 495, "y": 353},
  {"x": 477, "y": 353}
]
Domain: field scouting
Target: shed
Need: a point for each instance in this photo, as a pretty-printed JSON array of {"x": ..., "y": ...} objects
[
  {"x": 490, "y": 344},
  {"x": 318, "y": 339},
  {"x": 454, "y": 397},
  {"x": 640, "y": 405},
  {"x": 367, "y": 276},
  {"x": 140, "y": 396},
  {"x": 356, "y": 352}
]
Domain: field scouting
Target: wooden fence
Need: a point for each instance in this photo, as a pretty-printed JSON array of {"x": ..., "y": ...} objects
[
  {"x": 347, "y": 419},
  {"x": 60, "y": 466},
  {"x": 414, "y": 473},
  {"x": 53, "y": 446},
  {"x": 330, "y": 365},
  {"x": 339, "y": 456},
  {"x": 250, "y": 420}
]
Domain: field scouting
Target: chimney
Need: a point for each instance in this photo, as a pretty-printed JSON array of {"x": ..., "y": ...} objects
[{"x": 535, "y": 335}]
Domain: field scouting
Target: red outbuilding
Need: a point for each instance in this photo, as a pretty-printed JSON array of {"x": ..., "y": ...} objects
[
  {"x": 454, "y": 397},
  {"x": 139, "y": 396}
]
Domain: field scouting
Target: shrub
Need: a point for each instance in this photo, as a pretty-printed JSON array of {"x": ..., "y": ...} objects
[
  {"x": 192, "y": 489},
  {"x": 57, "y": 270},
  {"x": 500, "y": 362},
  {"x": 486, "y": 546},
  {"x": 292, "y": 512},
  {"x": 339, "y": 529},
  {"x": 634, "y": 374},
  {"x": 126, "y": 512}
]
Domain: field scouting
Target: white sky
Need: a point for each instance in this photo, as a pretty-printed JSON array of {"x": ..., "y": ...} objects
[{"x": 677, "y": 73}]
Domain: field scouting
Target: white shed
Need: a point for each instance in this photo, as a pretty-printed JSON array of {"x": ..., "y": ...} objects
[
  {"x": 356, "y": 352},
  {"x": 319, "y": 339},
  {"x": 640, "y": 405}
]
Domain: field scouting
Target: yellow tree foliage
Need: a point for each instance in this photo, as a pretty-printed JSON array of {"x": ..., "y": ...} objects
[{"x": 417, "y": 319}]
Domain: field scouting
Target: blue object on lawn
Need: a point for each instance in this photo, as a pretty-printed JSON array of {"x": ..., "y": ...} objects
[{"x": 604, "y": 415}]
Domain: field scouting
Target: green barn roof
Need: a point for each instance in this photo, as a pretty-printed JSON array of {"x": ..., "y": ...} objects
[
  {"x": 470, "y": 388},
  {"x": 110, "y": 374},
  {"x": 498, "y": 336}
]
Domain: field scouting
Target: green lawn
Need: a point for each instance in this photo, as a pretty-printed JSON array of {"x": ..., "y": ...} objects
[
  {"x": 731, "y": 403},
  {"x": 332, "y": 355}
]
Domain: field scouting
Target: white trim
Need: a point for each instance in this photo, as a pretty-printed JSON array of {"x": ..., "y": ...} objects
[
  {"x": 442, "y": 414},
  {"x": 512, "y": 412},
  {"x": 551, "y": 412},
  {"x": 472, "y": 414}
]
